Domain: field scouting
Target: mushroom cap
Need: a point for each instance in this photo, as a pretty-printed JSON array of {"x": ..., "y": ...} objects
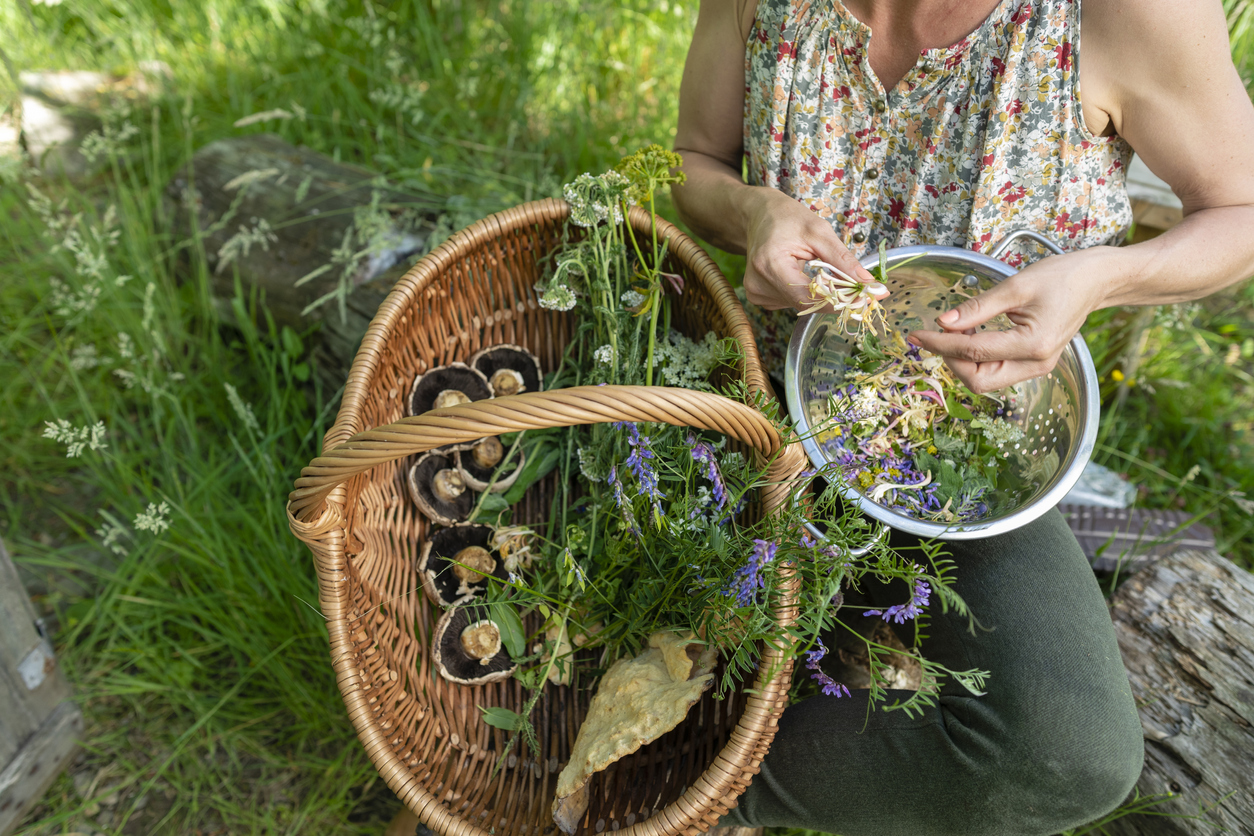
[
  {"x": 450, "y": 656},
  {"x": 477, "y": 476},
  {"x": 493, "y": 359},
  {"x": 422, "y": 478},
  {"x": 438, "y": 559},
  {"x": 455, "y": 377}
]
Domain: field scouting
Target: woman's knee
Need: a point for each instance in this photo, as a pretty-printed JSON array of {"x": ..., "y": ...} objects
[{"x": 1071, "y": 767}]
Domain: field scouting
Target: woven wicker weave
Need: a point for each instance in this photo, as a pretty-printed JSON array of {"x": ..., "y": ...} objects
[{"x": 350, "y": 506}]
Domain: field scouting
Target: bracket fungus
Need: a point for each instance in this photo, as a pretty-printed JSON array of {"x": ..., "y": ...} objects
[
  {"x": 456, "y": 562},
  {"x": 509, "y": 369},
  {"x": 467, "y": 647}
]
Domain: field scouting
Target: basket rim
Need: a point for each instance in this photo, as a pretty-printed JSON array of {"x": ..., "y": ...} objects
[{"x": 716, "y": 789}]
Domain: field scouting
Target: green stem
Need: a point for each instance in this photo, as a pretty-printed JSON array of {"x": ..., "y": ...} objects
[{"x": 496, "y": 474}]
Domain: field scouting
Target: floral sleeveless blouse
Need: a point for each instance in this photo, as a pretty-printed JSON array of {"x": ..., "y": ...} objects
[{"x": 979, "y": 138}]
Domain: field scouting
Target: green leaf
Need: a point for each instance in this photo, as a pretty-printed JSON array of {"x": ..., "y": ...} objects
[
  {"x": 972, "y": 681},
  {"x": 494, "y": 503},
  {"x": 956, "y": 409},
  {"x": 505, "y": 617},
  {"x": 301, "y": 372},
  {"x": 291, "y": 342},
  {"x": 535, "y": 469},
  {"x": 502, "y": 718}
]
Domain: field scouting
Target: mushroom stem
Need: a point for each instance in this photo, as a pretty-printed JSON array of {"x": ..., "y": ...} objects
[
  {"x": 507, "y": 382},
  {"x": 447, "y": 485},
  {"x": 482, "y": 641},
  {"x": 450, "y": 397},
  {"x": 473, "y": 564},
  {"x": 489, "y": 452}
]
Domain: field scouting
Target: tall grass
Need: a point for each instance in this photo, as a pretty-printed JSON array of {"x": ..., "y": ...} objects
[{"x": 195, "y": 643}]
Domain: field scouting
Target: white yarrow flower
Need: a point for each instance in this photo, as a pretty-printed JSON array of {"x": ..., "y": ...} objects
[
  {"x": 631, "y": 299},
  {"x": 557, "y": 297},
  {"x": 604, "y": 355}
]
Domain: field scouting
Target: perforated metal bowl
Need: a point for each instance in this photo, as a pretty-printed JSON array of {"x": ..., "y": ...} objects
[{"x": 1058, "y": 413}]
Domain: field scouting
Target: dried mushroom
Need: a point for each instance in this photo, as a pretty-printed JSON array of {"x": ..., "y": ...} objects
[
  {"x": 482, "y": 459},
  {"x": 446, "y": 386},
  {"x": 439, "y": 490},
  {"x": 509, "y": 369},
  {"x": 467, "y": 647},
  {"x": 456, "y": 562}
]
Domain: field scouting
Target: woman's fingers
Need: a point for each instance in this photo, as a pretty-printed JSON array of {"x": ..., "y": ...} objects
[
  {"x": 978, "y": 310},
  {"x": 989, "y": 377}
]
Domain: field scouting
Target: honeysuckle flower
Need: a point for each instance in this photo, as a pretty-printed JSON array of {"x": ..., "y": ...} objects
[
  {"x": 877, "y": 493},
  {"x": 850, "y": 298}
]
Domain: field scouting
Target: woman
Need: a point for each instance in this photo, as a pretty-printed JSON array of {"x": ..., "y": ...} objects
[{"x": 951, "y": 122}]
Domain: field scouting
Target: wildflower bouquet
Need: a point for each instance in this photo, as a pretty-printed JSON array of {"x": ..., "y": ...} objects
[
  {"x": 652, "y": 542},
  {"x": 904, "y": 431}
]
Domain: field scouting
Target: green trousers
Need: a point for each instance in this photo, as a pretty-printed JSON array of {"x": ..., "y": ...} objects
[{"x": 1054, "y": 743}]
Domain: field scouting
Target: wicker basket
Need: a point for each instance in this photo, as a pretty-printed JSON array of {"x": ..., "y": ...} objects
[{"x": 350, "y": 506}]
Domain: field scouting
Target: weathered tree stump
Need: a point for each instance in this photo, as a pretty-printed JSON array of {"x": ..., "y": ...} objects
[
  {"x": 1186, "y": 629},
  {"x": 276, "y": 214}
]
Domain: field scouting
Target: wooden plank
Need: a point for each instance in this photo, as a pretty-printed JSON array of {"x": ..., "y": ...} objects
[
  {"x": 1125, "y": 539},
  {"x": 38, "y": 763}
]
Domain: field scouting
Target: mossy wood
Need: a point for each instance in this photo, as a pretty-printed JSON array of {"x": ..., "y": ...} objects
[
  {"x": 1186, "y": 631},
  {"x": 423, "y": 733},
  {"x": 206, "y": 195}
]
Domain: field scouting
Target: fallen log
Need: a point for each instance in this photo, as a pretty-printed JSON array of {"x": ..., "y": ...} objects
[
  {"x": 323, "y": 241},
  {"x": 1185, "y": 626}
]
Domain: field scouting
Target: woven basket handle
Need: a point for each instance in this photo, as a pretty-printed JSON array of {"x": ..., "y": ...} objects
[{"x": 540, "y": 410}]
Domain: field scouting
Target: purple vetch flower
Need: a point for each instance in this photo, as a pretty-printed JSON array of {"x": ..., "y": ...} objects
[
  {"x": 703, "y": 452},
  {"x": 638, "y": 462},
  {"x": 748, "y": 578},
  {"x": 620, "y": 499},
  {"x": 831, "y": 687},
  {"x": 901, "y": 613}
]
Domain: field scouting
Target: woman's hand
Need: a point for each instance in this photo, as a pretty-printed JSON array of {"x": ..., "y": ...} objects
[
  {"x": 1048, "y": 303},
  {"x": 781, "y": 236}
]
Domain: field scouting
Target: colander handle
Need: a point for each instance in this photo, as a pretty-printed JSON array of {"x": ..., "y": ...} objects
[
  {"x": 1044, "y": 240},
  {"x": 541, "y": 410}
]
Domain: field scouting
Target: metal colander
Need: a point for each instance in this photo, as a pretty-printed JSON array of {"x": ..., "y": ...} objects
[{"x": 1057, "y": 413}]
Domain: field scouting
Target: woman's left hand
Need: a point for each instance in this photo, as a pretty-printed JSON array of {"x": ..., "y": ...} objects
[{"x": 1047, "y": 302}]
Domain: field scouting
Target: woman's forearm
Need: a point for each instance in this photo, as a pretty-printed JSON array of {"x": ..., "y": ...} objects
[
  {"x": 1208, "y": 251},
  {"x": 715, "y": 203}
]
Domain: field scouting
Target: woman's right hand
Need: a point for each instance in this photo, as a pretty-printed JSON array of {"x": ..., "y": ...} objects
[{"x": 781, "y": 236}]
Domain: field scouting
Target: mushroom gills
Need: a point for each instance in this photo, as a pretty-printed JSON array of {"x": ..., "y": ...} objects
[
  {"x": 481, "y": 640},
  {"x": 447, "y": 386}
]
